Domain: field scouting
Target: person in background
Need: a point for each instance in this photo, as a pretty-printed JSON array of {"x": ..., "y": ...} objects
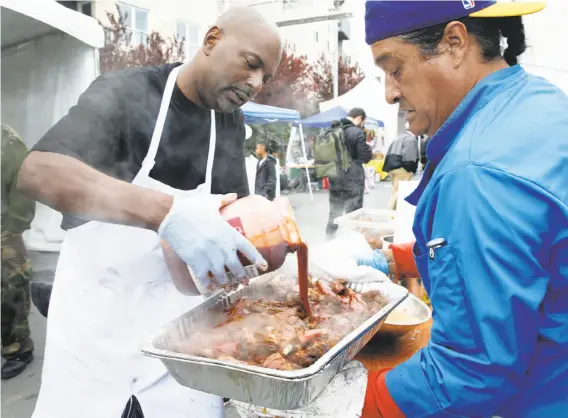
[
  {"x": 424, "y": 140},
  {"x": 401, "y": 162},
  {"x": 371, "y": 138},
  {"x": 347, "y": 192},
  {"x": 379, "y": 147},
  {"x": 310, "y": 147},
  {"x": 369, "y": 170},
  {"x": 17, "y": 214},
  {"x": 41, "y": 294},
  {"x": 147, "y": 156},
  {"x": 265, "y": 180}
]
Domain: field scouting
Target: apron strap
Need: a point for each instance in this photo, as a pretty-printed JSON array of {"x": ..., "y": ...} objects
[
  {"x": 150, "y": 159},
  {"x": 133, "y": 409},
  {"x": 211, "y": 154}
]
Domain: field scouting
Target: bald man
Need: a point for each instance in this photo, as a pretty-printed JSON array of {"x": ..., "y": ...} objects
[{"x": 148, "y": 155}]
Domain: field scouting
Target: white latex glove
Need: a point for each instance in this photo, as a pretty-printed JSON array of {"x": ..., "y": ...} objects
[
  {"x": 338, "y": 259},
  {"x": 200, "y": 236},
  {"x": 342, "y": 398}
]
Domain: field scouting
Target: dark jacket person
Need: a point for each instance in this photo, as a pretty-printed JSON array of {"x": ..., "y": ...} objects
[
  {"x": 265, "y": 181},
  {"x": 346, "y": 193},
  {"x": 401, "y": 162}
]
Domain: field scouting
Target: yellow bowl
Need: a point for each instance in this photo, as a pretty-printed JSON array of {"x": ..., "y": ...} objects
[{"x": 407, "y": 316}]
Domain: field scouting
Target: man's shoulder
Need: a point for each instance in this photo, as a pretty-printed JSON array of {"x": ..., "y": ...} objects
[
  {"x": 271, "y": 160},
  {"x": 353, "y": 131},
  {"x": 14, "y": 151},
  {"x": 162, "y": 70},
  {"x": 12, "y": 141},
  {"x": 407, "y": 136},
  {"x": 528, "y": 145},
  {"x": 137, "y": 77},
  {"x": 529, "y": 126},
  {"x": 539, "y": 84}
]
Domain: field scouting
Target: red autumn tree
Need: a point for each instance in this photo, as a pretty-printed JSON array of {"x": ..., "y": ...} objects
[
  {"x": 118, "y": 52},
  {"x": 322, "y": 77},
  {"x": 291, "y": 85}
]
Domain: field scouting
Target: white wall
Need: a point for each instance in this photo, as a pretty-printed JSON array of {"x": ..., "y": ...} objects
[
  {"x": 37, "y": 91},
  {"x": 547, "y": 34}
]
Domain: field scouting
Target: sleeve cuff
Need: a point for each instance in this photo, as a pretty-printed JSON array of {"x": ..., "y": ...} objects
[
  {"x": 409, "y": 389},
  {"x": 378, "y": 401}
]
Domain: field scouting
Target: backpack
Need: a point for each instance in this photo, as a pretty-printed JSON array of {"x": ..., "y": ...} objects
[{"x": 331, "y": 156}]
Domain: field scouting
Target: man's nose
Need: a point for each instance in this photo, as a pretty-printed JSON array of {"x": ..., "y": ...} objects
[
  {"x": 392, "y": 92},
  {"x": 255, "y": 81}
]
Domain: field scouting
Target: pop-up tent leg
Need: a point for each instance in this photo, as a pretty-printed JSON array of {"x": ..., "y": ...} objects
[{"x": 306, "y": 158}]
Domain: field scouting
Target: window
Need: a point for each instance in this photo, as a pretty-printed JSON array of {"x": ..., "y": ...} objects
[
  {"x": 189, "y": 33},
  {"x": 84, "y": 7},
  {"x": 316, "y": 36},
  {"x": 136, "y": 20}
]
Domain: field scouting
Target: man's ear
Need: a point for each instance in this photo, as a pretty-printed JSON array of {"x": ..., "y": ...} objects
[
  {"x": 212, "y": 36},
  {"x": 456, "y": 39}
]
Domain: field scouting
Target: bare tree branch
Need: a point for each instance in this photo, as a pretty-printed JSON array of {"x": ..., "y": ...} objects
[{"x": 118, "y": 52}]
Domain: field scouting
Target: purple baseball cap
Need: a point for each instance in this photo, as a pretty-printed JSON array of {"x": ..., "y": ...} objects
[{"x": 387, "y": 18}]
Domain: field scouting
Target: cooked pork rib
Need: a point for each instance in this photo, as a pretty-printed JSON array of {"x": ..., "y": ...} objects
[{"x": 274, "y": 332}]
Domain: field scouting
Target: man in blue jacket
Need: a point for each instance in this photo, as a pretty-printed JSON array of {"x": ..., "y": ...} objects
[{"x": 491, "y": 221}]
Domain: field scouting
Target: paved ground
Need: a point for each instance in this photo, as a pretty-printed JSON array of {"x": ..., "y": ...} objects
[{"x": 19, "y": 394}]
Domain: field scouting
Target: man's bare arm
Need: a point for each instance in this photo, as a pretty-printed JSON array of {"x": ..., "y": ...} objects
[{"x": 70, "y": 186}]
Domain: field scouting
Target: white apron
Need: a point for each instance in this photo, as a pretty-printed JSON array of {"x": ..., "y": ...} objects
[{"x": 112, "y": 290}]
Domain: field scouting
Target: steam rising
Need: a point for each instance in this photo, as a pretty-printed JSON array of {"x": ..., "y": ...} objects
[{"x": 261, "y": 331}]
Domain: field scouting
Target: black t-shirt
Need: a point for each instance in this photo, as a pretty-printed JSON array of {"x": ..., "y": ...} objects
[{"x": 111, "y": 126}]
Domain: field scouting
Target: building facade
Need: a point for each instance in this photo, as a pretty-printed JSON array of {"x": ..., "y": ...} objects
[
  {"x": 187, "y": 19},
  {"x": 190, "y": 19},
  {"x": 314, "y": 39}
]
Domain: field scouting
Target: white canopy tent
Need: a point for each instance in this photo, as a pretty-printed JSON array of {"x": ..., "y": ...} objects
[
  {"x": 49, "y": 57},
  {"x": 369, "y": 94}
]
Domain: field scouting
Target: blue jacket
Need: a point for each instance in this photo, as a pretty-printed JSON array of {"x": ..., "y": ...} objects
[{"x": 499, "y": 286}]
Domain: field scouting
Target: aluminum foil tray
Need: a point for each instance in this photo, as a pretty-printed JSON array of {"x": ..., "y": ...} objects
[{"x": 282, "y": 390}]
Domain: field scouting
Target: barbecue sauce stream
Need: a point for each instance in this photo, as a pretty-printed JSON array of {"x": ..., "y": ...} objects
[{"x": 302, "y": 252}]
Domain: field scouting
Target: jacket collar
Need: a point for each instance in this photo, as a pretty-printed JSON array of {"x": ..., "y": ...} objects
[
  {"x": 261, "y": 162},
  {"x": 346, "y": 123},
  {"x": 483, "y": 93}
]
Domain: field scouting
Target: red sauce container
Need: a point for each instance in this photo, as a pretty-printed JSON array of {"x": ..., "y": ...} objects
[{"x": 270, "y": 226}]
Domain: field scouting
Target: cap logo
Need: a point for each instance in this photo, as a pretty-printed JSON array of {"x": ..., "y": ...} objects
[{"x": 468, "y": 4}]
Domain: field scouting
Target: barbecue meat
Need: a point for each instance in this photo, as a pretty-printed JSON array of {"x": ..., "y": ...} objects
[
  {"x": 277, "y": 361},
  {"x": 338, "y": 287},
  {"x": 274, "y": 332},
  {"x": 317, "y": 349},
  {"x": 302, "y": 359}
]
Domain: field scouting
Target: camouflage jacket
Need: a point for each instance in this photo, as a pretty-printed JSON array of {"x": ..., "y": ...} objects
[{"x": 17, "y": 210}]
